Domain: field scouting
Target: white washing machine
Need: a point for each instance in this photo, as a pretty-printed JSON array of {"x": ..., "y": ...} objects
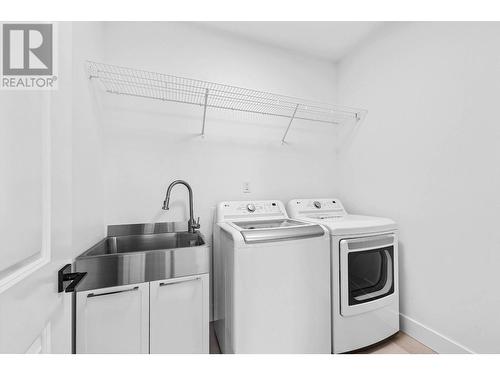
[
  {"x": 364, "y": 270},
  {"x": 271, "y": 280}
]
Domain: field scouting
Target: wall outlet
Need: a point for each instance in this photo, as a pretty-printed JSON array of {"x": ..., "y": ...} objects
[{"x": 246, "y": 187}]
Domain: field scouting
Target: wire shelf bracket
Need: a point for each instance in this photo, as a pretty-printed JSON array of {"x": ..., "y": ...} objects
[
  {"x": 289, "y": 124},
  {"x": 145, "y": 84},
  {"x": 204, "y": 114}
]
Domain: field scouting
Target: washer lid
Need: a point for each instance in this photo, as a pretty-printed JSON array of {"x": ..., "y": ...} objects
[
  {"x": 259, "y": 231},
  {"x": 267, "y": 224}
]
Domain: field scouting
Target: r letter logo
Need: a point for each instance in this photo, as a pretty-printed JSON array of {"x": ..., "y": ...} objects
[
  {"x": 28, "y": 56},
  {"x": 27, "y": 49}
]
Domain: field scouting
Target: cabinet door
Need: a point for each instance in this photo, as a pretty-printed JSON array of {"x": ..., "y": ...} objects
[
  {"x": 179, "y": 315},
  {"x": 113, "y": 320}
]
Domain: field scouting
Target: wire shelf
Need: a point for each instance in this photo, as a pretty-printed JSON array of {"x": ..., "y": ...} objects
[{"x": 140, "y": 83}]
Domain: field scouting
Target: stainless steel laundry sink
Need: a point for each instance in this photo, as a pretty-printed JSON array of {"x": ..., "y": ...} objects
[
  {"x": 144, "y": 242},
  {"x": 143, "y": 252}
]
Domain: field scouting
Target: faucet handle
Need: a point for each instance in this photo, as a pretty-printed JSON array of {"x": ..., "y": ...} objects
[{"x": 197, "y": 224}]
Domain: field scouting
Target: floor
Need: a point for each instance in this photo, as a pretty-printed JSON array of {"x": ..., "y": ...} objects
[{"x": 400, "y": 343}]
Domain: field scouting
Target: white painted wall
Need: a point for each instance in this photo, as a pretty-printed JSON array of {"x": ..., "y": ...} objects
[
  {"x": 149, "y": 144},
  {"x": 87, "y": 146},
  {"x": 427, "y": 156}
]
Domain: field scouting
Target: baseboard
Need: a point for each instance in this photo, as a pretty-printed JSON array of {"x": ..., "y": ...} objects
[{"x": 427, "y": 336}]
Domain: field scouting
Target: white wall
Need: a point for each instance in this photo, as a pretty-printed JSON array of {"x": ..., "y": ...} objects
[
  {"x": 87, "y": 145},
  {"x": 149, "y": 144},
  {"x": 428, "y": 156}
]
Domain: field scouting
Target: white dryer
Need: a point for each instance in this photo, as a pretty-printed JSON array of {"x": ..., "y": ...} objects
[
  {"x": 271, "y": 280},
  {"x": 364, "y": 272}
]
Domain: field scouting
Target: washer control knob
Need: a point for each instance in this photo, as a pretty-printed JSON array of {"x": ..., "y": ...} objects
[
  {"x": 250, "y": 207},
  {"x": 317, "y": 204}
]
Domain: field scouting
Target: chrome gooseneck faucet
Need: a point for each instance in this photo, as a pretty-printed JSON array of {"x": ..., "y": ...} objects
[{"x": 192, "y": 225}]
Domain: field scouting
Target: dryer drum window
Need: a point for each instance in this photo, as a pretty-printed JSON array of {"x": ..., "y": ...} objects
[{"x": 371, "y": 274}]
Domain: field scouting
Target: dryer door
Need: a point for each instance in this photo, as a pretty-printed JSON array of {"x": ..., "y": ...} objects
[{"x": 368, "y": 273}]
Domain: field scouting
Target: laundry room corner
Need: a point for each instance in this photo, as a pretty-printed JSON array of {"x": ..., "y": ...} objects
[{"x": 421, "y": 159}]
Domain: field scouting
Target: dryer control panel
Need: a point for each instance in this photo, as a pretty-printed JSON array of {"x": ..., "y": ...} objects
[
  {"x": 316, "y": 208},
  {"x": 254, "y": 210}
]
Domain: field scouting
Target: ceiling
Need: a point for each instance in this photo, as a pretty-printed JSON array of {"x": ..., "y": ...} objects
[{"x": 329, "y": 40}]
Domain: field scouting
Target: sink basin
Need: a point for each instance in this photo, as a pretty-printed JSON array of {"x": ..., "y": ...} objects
[
  {"x": 143, "y": 252},
  {"x": 145, "y": 242}
]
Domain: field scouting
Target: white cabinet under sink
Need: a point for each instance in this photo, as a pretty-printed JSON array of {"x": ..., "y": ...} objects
[
  {"x": 168, "y": 316},
  {"x": 113, "y": 320},
  {"x": 179, "y": 315}
]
